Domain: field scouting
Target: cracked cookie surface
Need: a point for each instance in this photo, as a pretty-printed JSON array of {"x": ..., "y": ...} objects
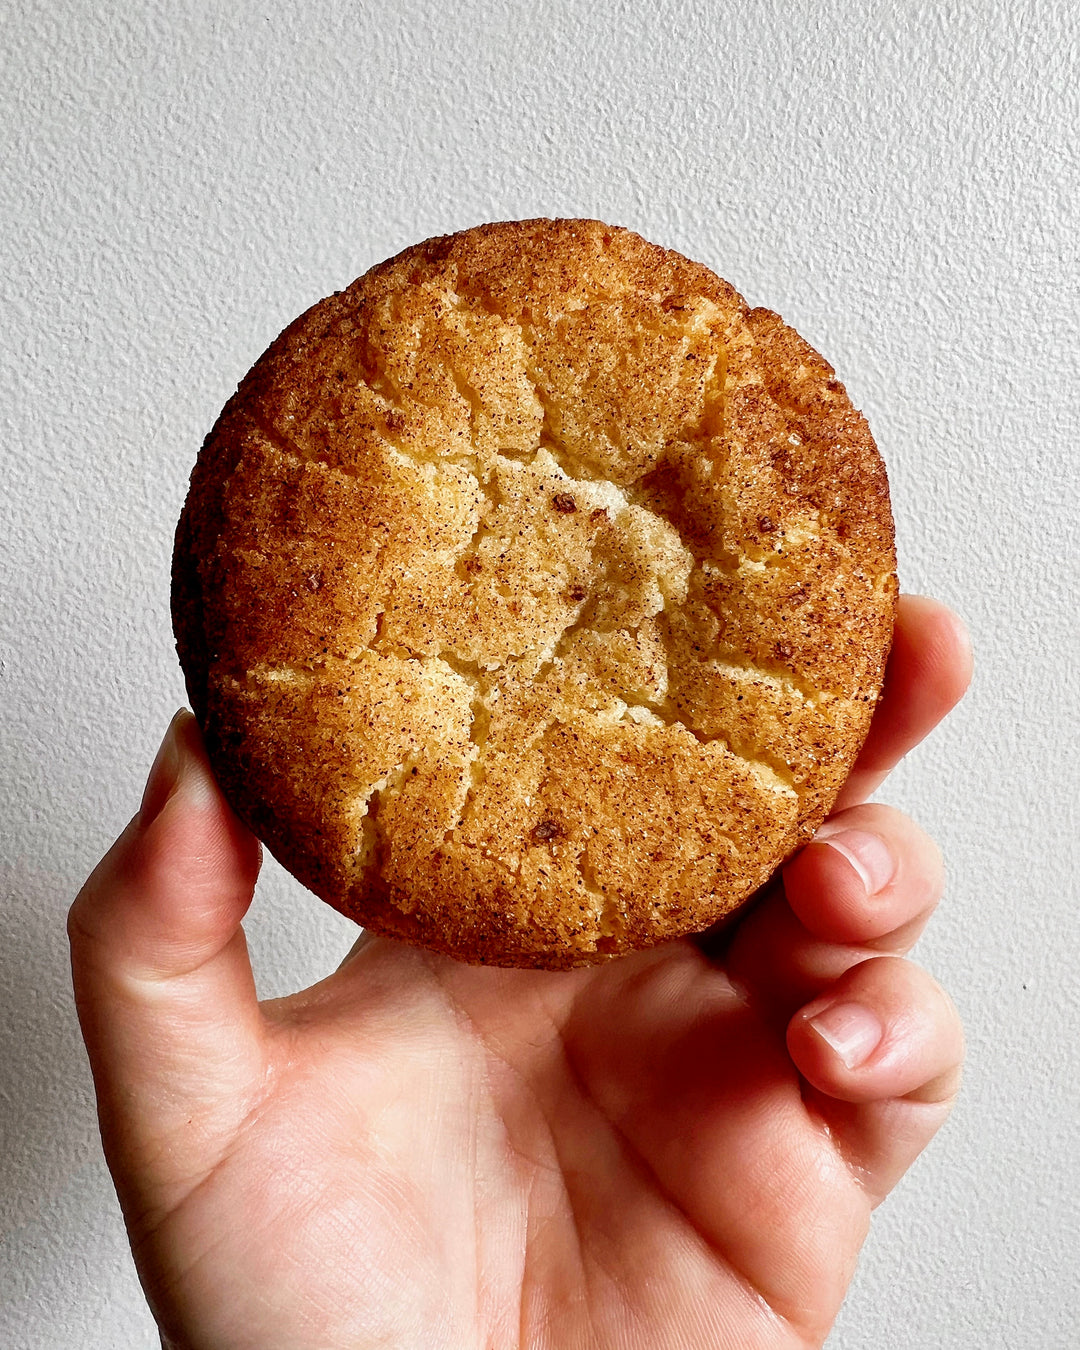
[{"x": 534, "y": 594}]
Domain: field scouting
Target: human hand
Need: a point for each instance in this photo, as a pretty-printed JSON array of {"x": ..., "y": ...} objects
[{"x": 679, "y": 1148}]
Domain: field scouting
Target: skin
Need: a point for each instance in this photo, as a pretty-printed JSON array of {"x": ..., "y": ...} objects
[{"x": 666, "y": 1150}]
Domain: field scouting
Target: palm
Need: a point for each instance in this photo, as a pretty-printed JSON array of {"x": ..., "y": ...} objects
[
  {"x": 666, "y": 1150},
  {"x": 459, "y": 1157}
]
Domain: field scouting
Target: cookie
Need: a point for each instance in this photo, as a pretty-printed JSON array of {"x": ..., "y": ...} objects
[{"x": 534, "y": 594}]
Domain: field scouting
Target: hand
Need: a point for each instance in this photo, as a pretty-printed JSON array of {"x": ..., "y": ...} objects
[{"x": 680, "y": 1148}]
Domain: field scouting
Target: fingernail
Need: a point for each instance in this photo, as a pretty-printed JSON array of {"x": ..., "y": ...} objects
[
  {"x": 164, "y": 776},
  {"x": 868, "y": 853},
  {"x": 853, "y": 1031}
]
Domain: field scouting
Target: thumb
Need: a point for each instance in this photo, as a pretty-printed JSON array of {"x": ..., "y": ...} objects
[{"x": 162, "y": 980}]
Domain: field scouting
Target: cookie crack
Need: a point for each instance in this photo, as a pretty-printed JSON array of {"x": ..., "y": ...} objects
[
  {"x": 776, "y": 677},
  {"x": 469, "y": 554},
  {"x": 479, "y": 729},
  {"x": 772, "y": 771},
  {"x": 610, "y": 906},
  {"x": 291, "y": 449},
  {"x": 612, "y": 911},
  {"x": 573, "y": 466},
  {"x": 367, "y": 807}
]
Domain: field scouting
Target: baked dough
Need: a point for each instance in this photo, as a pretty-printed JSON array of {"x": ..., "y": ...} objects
[{"x": 534, "y": 594}]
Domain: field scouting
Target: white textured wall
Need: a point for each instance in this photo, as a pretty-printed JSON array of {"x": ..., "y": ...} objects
[{"x": 898, "y": 179}]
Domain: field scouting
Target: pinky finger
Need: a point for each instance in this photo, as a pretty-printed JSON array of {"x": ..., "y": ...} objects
[{"x": 881, "y": 1050}]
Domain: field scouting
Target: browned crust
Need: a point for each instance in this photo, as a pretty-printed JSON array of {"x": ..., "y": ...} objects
[{"x": 534, "y": 594}]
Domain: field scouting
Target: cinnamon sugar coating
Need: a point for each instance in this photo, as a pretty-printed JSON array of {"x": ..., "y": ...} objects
[{"x": 534, "y": 594}]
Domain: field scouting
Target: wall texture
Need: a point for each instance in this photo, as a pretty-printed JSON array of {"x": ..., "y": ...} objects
[{"x": 899, "y": 180}]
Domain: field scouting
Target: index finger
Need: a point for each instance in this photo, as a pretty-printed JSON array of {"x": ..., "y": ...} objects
[{"x": 929, "y": 669}]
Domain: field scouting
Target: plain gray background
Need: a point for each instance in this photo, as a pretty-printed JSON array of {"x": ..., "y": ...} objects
[{"x": 899, "y": 180}]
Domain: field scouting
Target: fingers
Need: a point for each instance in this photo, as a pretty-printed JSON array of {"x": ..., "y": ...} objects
[
  {"x": 885, "y": 1029},
  {"x": 870, "y": 879},
  {"x": 870, "y": 875},
  {"x": 929, "y": 669},
  {"x": 162, "y": 980},
  {"x": 881, "y": 1049}
]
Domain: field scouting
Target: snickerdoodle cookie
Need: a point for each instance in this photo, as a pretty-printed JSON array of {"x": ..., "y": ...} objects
[{"x": 534, "y": 594}]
